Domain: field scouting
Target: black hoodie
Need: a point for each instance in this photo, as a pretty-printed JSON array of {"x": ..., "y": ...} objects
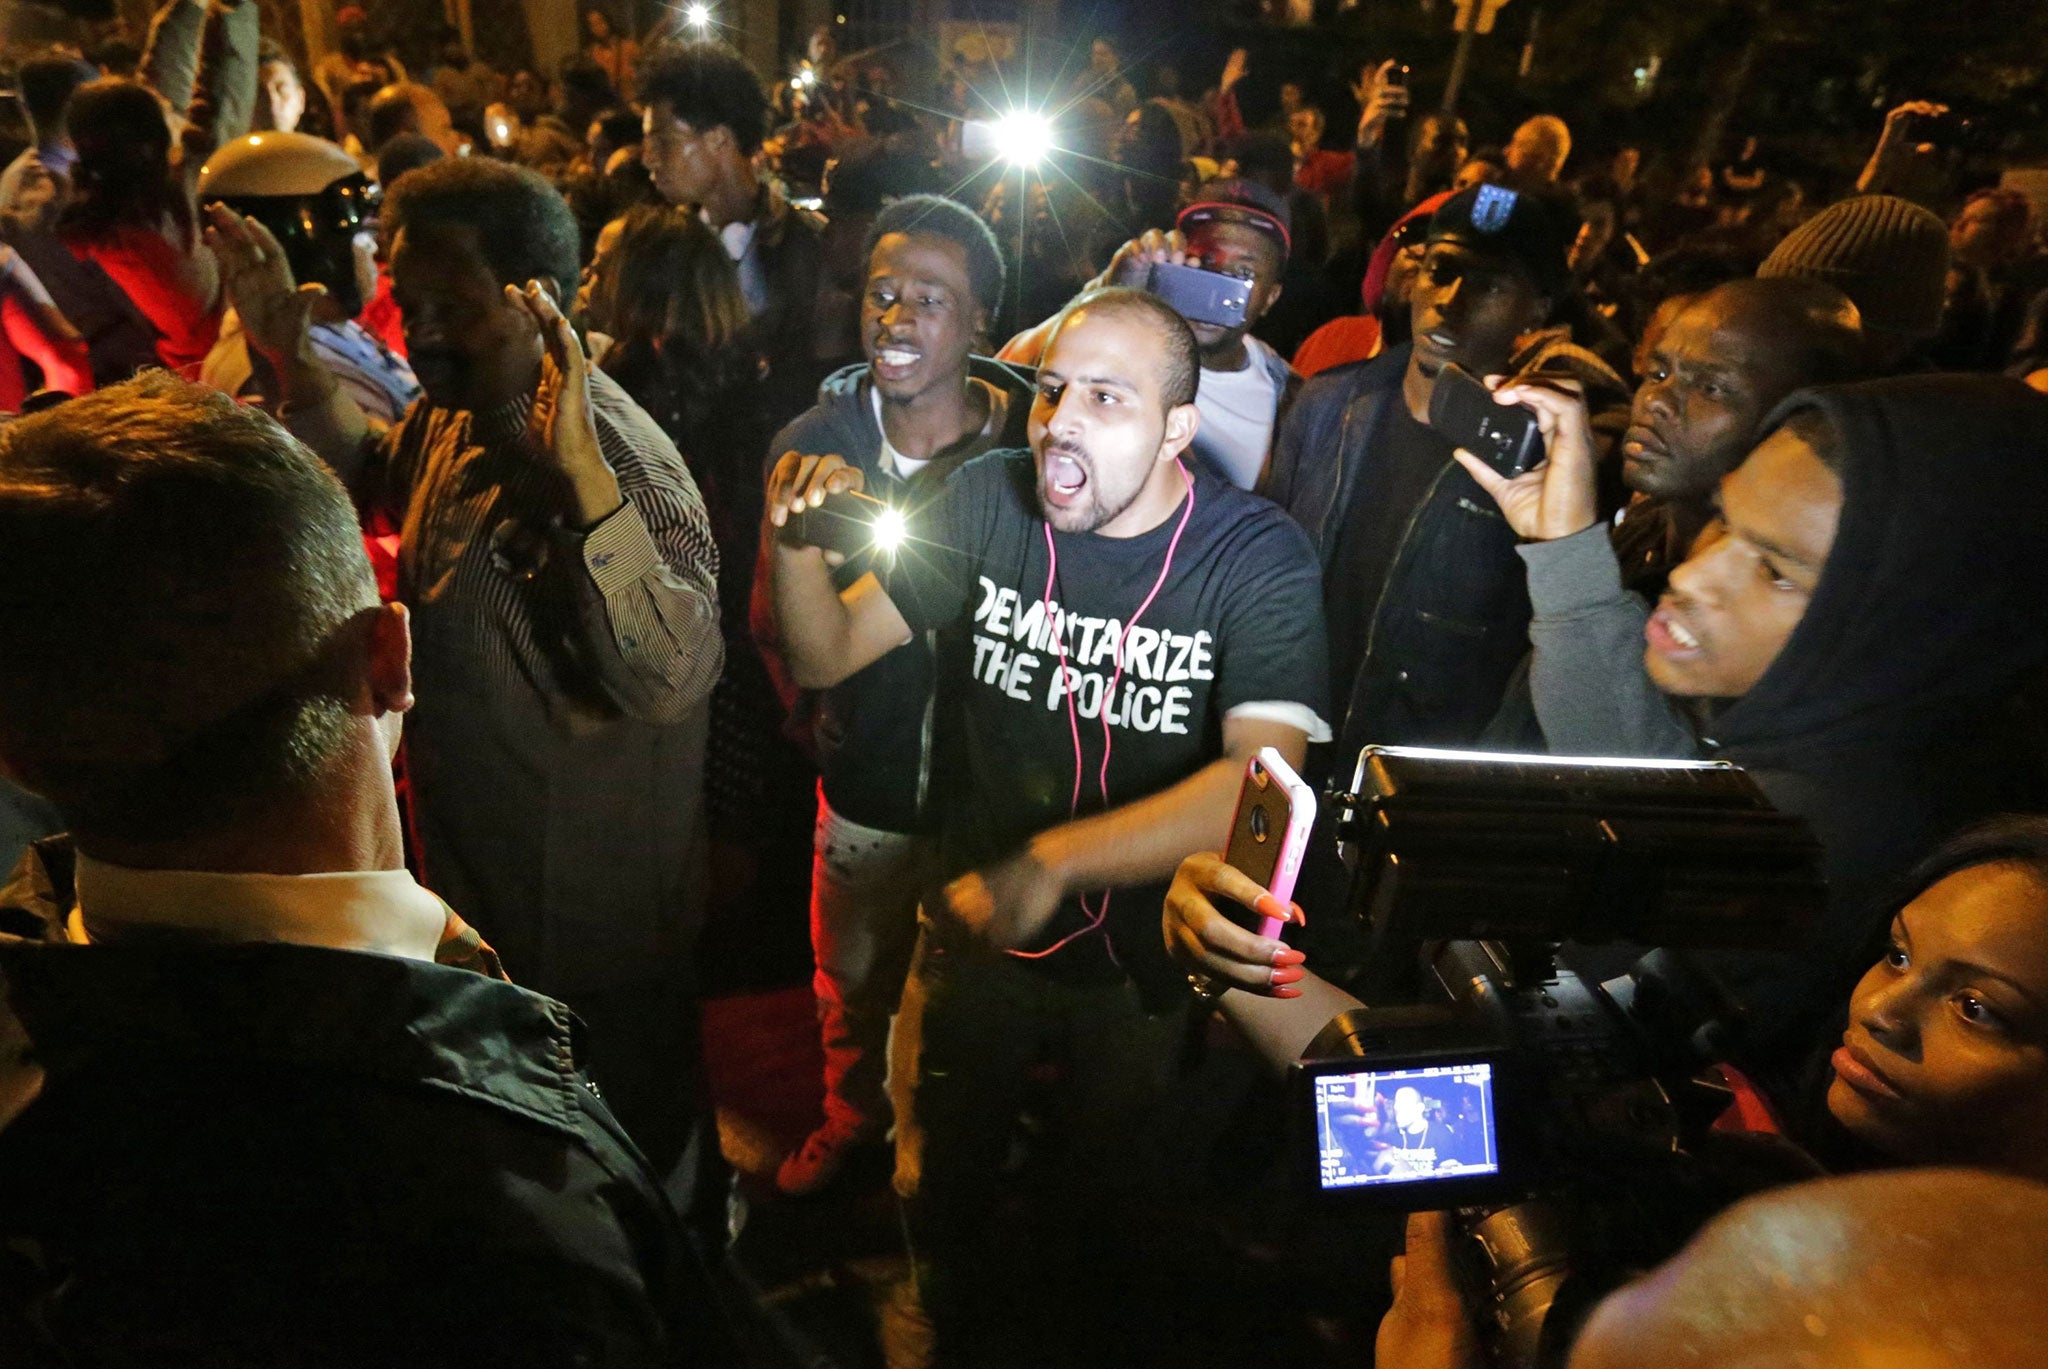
[
  {"x": 1888, "y": 720},
  {"x": 1928, "y": 615},
  {"x": 873, "y": 732}
]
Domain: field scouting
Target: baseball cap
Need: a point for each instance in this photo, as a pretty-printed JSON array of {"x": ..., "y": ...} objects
[
  {"x": 1533, "y": 231},
  {"x": 1237, "y": 200}
]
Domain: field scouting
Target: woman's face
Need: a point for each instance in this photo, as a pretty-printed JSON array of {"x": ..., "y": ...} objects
[
  {"x": 593, "y": 308},
  {"x": 1945, "y": 1060}
]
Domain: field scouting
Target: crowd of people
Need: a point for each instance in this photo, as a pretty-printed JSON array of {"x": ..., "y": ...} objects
[{"x": 508, "y": 408}]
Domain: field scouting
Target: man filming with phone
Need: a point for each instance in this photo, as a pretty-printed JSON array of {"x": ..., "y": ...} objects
[
  {"x": 1424, "y": 593},
  {"x": 1220, "y": 268},
  {"x": 1123, "y": 631}
]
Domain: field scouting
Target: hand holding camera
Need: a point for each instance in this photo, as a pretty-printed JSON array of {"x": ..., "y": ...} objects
[
  {"x": 1427, "y": 1327},
  {"x": 1161, "y": 263},
  {"x": 1911, "y": 128},
  {"x": 1556, "y": 497},
  {"x": 1132, "y": 265}
]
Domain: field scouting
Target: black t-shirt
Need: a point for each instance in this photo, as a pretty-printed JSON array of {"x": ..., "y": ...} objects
[
  {"x": 1237, "y": 621},
  {"x": 1406, "y": 457}
]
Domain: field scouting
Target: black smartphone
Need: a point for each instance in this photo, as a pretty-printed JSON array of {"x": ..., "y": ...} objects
[
  {"x": 1947, "y": 129},
  {"x": 850, "y": 524},
  {"x": 1201, "y": 296},
  {"x": 1397, "y": 75},
  {"x": 1504, "y": 436}
]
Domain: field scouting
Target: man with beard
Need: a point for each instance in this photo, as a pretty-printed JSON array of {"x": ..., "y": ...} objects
[
  {"x": 564, "y": 607},
  {"x": 1239, "y": 228},
  {"x": 1125, "y": 631}
]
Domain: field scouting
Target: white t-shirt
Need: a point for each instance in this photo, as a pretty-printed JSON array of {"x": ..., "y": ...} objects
[
  {"x": 1237, "y": 415},
  {"x": 903, "y": 467},
  {"x": 739, "y": 245}
]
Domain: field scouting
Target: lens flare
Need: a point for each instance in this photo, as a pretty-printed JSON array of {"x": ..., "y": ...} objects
[
  {"x": 1023, "y": 138},
  {"x": 698, "y": 16},
  {"x": 890, "y": 530}
]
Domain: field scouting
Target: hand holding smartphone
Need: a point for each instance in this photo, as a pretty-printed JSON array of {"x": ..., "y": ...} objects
[
  {"x": 850, "y": 523},
  {"x": 1201, "y": 296},
  {"x": 1545, "y": 482},
  {"x": 1505, "y": 437},
  {"x": 1269, "y": 832}
]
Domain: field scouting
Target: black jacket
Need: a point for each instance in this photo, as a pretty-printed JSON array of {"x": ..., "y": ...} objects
[
  {"x": 790, "y": 243},
  {"x": 271, "y": 1154},
  {"x": 1451, "y": 621},
  {"x": 874, "y": 732}
]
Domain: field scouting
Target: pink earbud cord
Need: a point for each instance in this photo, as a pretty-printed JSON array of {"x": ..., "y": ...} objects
[{"x": 1097, "y": 916}]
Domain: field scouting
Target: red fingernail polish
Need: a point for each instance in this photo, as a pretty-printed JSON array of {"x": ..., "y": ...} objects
[
  {"x": 1287, "y": 993},
  {"x": 1268, "y": 906},
  {"x": 1287, "y": 955},
  {"x": 1300, "y": 917},
  {"x": 1288, "y": 974}
]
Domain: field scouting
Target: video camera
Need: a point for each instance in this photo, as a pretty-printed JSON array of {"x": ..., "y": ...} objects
[{"x": 1568, "y": 1121}]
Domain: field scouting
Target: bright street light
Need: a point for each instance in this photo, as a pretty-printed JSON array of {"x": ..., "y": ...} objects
[
  {"x": 1023, "y": 138},
  {"x": 698, "y": 16}
]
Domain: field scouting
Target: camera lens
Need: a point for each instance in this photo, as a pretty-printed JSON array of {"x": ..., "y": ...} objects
[{"x": 1261, "y": 829}]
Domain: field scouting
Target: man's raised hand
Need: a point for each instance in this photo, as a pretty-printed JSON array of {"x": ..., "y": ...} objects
[
  {"x": 801, "y": 481},
  {"x": 1134, "y": 261},
  {"x": 1233, "y": 68},
  {"x": 1559, "y": 497},
  {"x": 1379, "y": 102},
  {"x": 562, "y": 428},
  {"x": 275, "y": 310}
]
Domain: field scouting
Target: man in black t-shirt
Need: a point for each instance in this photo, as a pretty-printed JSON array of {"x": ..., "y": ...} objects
[{"x": 1124, "y": 633}]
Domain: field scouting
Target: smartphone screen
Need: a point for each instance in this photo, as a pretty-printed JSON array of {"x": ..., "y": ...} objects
[{"x": 1406, "y": 1126}]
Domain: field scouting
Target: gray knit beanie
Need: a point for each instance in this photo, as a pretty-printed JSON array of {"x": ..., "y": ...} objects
[{"x": 1887, "y": 254}]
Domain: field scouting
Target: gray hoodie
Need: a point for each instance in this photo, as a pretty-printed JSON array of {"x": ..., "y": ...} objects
[{"x": 873, "y": 732}]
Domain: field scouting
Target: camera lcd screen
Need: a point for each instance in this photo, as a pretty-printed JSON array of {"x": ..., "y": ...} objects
[{"x": 1406, "y": 1126}]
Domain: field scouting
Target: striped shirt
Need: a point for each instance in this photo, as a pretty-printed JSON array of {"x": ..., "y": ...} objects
[
  {"x": 556, "y": 752},
  {"x": 636, "y": 632}
]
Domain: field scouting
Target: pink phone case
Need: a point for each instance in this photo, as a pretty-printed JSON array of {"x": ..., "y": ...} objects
[{"x": 1301, "y": 819}]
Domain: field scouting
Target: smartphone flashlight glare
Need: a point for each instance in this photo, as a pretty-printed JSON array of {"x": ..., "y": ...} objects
[
  {"x": 698, "y": 16},
  {"x": 889, "y": 530}
]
